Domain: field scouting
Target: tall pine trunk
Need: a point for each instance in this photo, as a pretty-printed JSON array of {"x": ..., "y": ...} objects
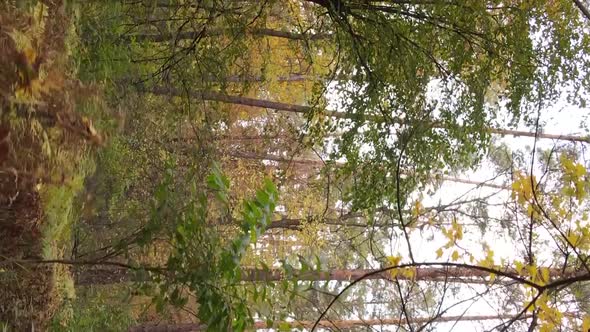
[
  {"x": 330, "y": 324},
  {"x": 191, "y": 35},
  {"x": 302, "y": 109},
  {"x": 104, "y": 276},
  {"x": 319, "y": 163}
]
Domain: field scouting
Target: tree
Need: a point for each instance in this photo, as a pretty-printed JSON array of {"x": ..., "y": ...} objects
[
  {"x": 335, "y": 324},
  {"x": 388, "y": 95},
  {"x": 447, "y": 274},
  {"x": 497, "y": 57},
  {"x": 213, "y": 96}
]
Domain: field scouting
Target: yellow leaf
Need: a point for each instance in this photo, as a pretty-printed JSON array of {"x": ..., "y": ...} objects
[
  {"x": 458, "y": 232},
  {"x": 579, "y": 170},
  {"x": 393, "y": 273},
  {"x": 417, "y": 208},
  {"x": 545, "y": 274},
  {"x": 394, "y": 260},
  {"x": 409, "y": 272},
  {"x": 492, "y": 277},
  {"x": 455, "y": 256},
  {"x": 573, "y": 238},
  {"x": 547, "y": 327},
  {"x": 532, "y": 271},
  {"x": 439, "y": 253},
  {"x": 518, "y": 266}
]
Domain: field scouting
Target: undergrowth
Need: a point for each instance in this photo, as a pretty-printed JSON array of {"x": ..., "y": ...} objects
[{"x": 94, "y": 309}]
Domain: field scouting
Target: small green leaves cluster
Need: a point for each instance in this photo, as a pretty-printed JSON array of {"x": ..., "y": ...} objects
[{"x": 200, "y": 263}]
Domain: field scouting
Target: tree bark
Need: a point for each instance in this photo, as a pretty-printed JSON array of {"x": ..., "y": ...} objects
[
  {"x": 297, "y": 223},
  {"x": 319, "y": 163},
  {"x": 465, "y": 275},
  {"x": 250, "y": 78},
  {"x": 105, "y": 276},
  {"x": 302, "y": 109},
  {"x": 583, "y": 9},
  {"x": 190, "y": 35},
  {"x": 331, "y": 324}
]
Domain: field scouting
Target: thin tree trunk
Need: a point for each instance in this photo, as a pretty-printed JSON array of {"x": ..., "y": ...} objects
[
  {"x": 461, "y": 275},
  {"x": 164, "y": 327},
  {"x": 250, "y": 78},
  {"x": 582, "y": 7},
  {"x": 331, "y": 324},
  {"x": 293, "y": 108},
  {"x": 297, "y": 223},
  {"x": 190, "y": 35},
  {"x": 100, "y": 276},
  {"x": 319, "y": 163}
]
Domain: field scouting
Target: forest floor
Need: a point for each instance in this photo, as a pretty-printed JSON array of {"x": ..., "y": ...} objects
[{"x": 44, "y": 147}]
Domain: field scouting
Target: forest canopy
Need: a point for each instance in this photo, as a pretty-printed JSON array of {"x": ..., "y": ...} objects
[{"x": 333, "y": 165}]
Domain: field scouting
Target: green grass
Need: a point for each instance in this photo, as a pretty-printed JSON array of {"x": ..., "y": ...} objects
[
  {"x": 95, "y": 309},
  {"x": 80, "y": 310},
  {"x": 97, "y": 59},
  {"x": 60, "y": 206},
  {"x": 60, "y": 211},
  {"x": 67, "y": 163}
]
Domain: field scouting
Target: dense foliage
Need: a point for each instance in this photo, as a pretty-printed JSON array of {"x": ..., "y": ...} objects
[{"x": 303, "y": 164}]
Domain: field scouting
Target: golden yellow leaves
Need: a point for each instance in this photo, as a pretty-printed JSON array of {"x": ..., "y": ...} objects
[
  {"x": 554, "y": 9},
  {"x": 549, "y": 317},
  {"x": 488, "y": 261},
  {"x": 394, "y": 260},
  {"x": 404, "y": 272},
  {"x": 522, "y": 188},
  {"x": 524, "y": 191},
  {"x": 549, "y": 314},
  {"x": 439, "y": 253},
  {"x": 458, "y": 230},
  {"x": 574, "y": 178},
  {"x": 518, "y": 266},
  {"x": 554, "y": 204},
  {"x": 539, "y": 275},
  {"x": 453, "y": 234},
  {"x": 417, "y": 209},
  {"x": 408, "y": 272},
  {"x": 544, "y": 275},
  {"x": 580, "y": 237}
]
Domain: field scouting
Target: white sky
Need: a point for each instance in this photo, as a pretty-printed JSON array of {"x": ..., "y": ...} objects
[{"x": 561, "y": 118}]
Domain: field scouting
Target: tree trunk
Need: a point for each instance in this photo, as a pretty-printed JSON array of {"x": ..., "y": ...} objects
[
  {"x": 297, "y": 223},
  {"x": 331, "y": 324},
  {"x": 319, "y": 163},
  {"x": 190, "y": 35},
  {"x": 261, "y": 103},
  {"x": 163, "y": 327},
  {"x": 105, "y": 276},
  {"x": 250, "y": 78},
  {"x": 441, "y": 274}
]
